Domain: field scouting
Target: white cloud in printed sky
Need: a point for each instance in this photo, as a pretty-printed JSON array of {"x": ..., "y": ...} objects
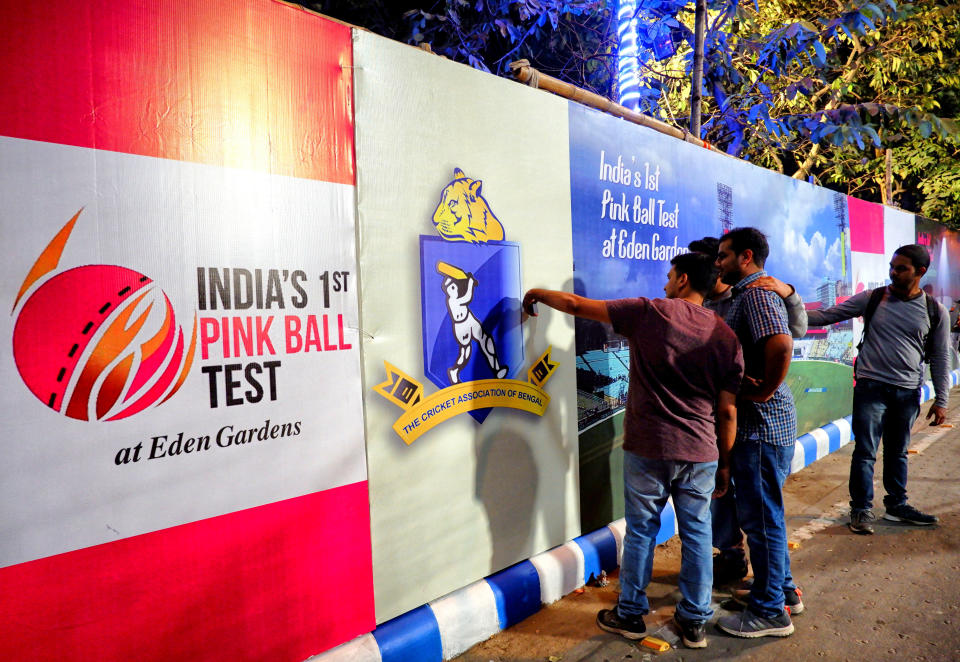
[
  {"x": 799, "y": 222},
  {"x": 833, "y": 255}
]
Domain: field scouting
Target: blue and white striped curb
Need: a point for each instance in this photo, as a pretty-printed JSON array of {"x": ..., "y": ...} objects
[
  {"x": 819, "y": 443},
  {"x": 448, "y": 626}
]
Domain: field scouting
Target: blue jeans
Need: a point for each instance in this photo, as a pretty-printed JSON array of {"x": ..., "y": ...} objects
[
  {"x": 760, "y": 469},
  {"x": 647, "y": 484},
  {"x": 887, "y": 411}
]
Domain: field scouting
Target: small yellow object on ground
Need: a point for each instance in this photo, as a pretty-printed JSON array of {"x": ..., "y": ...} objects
[
  {"x": 659, "y": 645},
  {"x": 792, "y": 544}
]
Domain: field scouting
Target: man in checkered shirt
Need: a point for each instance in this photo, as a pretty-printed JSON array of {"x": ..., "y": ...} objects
[{"x": 766, "y": 432}]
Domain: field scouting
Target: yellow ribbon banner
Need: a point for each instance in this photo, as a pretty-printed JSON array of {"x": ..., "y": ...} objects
[
  {"x": 460, "y": 398},
  {"x": 542, "y": 369},
  {"x": 400, "y": 388}
]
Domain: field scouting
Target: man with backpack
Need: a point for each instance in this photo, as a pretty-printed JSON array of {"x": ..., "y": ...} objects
[{"x": 903, "y": 327}]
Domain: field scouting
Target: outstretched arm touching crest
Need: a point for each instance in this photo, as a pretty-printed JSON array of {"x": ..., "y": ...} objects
[{"x": 572, "y": 304}]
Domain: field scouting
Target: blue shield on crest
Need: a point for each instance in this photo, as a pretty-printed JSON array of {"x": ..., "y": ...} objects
[{"x": 470, "y": 296}]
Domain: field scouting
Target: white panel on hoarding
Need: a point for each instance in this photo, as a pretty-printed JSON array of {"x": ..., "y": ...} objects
[
  {"x": 464, "y": 499},
  {"x": 899, "y": 229}
]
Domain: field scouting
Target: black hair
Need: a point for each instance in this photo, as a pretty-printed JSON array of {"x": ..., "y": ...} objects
[
  {"x": 743, "y": 238},
  {"x": 707, "y": 246},
  {"x": 700, "y": 269},
  {"x": 917, "y": 255}
]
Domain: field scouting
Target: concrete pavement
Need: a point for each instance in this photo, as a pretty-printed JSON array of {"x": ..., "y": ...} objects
[{"x": 891, "y": 596}]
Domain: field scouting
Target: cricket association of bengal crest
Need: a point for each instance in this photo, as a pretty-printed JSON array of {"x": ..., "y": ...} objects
[{"x": 470, "y": 296}]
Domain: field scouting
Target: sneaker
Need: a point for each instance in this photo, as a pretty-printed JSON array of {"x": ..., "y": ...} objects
[
  {"x": 750, "y": 626},
  {"x": 861, "y": 521},
  {"x": 727, "y": 570},
  {"x": 632, "y": 628},
  {"x": 791, "y": 598},
  {"x": 693, "y": 634},
  {"x": 910, "y": 515},
  {"x": 793, "y": 601},
  {"x": 732, "y": 604},
  {"x": 742, "y": 594}
]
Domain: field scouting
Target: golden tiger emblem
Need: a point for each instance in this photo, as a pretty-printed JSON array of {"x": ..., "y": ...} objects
[{"x": 463, "y": 214}]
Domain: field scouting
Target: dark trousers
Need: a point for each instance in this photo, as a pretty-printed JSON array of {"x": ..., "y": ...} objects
[{"x": 881, "y": 412}]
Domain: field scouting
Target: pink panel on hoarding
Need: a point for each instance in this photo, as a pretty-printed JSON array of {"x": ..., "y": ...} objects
[
  {"x": 866, "y": 226},
  {"x": 256, "y": 85},
  {"x": 278, "y": 582}
]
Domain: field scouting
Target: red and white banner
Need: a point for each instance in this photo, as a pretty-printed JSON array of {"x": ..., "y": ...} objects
[{"x": 183, "y": 470}]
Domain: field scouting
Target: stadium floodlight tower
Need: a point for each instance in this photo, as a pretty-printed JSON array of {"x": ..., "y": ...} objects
[
  {"x": 725, "y": 207},
  {"x": 840, "y": 211}
]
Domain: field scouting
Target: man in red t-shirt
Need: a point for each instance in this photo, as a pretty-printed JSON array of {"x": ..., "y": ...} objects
[{"x": 685, "y": 370}]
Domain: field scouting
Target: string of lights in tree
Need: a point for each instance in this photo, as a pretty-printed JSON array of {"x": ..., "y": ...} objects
[{"x": 647, "y": 31}]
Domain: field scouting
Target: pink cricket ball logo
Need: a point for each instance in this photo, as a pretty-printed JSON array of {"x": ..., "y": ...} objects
[{"x": 98, "y": 342}]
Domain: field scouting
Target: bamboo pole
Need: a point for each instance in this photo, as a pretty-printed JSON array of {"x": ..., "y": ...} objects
[{"x": 530, "y": 76}]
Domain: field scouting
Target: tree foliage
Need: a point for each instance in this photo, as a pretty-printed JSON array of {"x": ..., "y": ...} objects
[
  {"x": 570, "y": 39},
  {"x": 814, "y": 95},
  {"x": 812, "y": 88}
]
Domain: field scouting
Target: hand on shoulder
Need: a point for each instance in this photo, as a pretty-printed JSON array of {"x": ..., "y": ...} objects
[
  {"x": 771, "y": 284},
  {"x": 760, "y": 295}
]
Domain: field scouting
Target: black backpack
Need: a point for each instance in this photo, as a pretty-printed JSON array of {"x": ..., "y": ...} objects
[{"x": 933, "y": 312}]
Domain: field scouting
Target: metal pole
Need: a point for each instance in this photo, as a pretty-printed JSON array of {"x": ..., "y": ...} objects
[{"x": 697, "y": 84}]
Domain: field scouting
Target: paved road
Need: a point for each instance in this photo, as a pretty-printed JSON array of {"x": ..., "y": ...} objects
[{"x": 893, "y": 596}]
